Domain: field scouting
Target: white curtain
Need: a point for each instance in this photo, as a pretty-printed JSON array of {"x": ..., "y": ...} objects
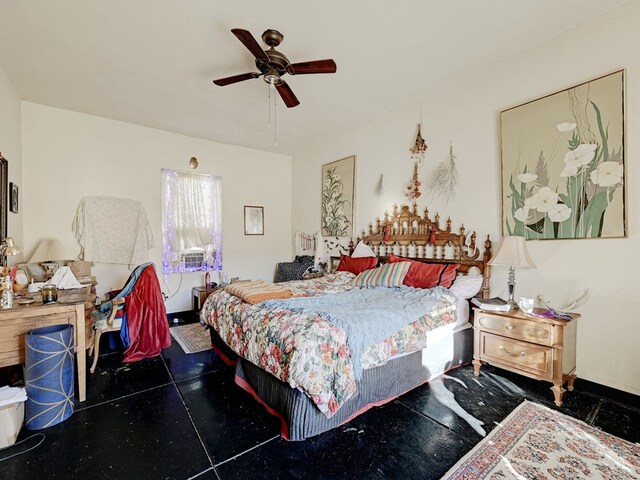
[{"x": 192, "y": 218}]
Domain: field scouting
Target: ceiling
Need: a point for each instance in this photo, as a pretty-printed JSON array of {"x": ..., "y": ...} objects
[{"x": 151, "y": 62}]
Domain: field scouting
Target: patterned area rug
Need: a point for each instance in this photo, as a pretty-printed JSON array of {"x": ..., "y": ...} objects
[
  {"x": 535, "y": 442},
  {"x": 192, "y": 338}
]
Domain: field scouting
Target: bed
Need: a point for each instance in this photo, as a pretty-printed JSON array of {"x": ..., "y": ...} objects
[{"x": 302, "y": 365}]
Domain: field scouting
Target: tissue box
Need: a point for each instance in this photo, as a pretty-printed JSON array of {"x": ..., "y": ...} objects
[
  {"x": 80, "y": 268},
  {"x": 11, "y": 418}
]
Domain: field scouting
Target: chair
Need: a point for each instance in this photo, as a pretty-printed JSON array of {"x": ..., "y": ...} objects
[
  {"x": 103, "y": 325},
  {"x": 138, "y": 313}
]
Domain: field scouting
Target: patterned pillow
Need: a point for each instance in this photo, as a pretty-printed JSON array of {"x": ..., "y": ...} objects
[
  {"x": 287, "y": 271},
  {"x": 388, "y": 275}
]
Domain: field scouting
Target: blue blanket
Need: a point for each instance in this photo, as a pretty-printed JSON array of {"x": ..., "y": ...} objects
[{"x": 368, "y": 315}]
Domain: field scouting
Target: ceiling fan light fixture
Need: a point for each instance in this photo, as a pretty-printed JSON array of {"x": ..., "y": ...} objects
[{"x": 272, "y": 77}]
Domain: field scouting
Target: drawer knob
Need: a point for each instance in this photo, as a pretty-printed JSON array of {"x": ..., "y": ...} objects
[
  {"x": 509, "y": 326},
  {"x": 522, "y": 354}
]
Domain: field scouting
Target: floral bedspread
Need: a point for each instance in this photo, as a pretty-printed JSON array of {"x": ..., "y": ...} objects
[{"x": 305, "y": 350}]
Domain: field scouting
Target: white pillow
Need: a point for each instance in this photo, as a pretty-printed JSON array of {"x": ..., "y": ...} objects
[
  {"x": 473, "y": 272},
  {"x": 465, "y": 286},
  {"x": 361, "y": 251}
]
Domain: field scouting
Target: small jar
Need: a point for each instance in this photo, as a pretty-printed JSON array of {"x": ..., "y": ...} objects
[{"x": 49, "y": 294}]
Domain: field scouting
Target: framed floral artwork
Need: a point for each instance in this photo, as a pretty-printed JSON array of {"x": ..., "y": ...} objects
[
  {"x": 563, "y": 163},
  {"x": 338, "y": 197}
]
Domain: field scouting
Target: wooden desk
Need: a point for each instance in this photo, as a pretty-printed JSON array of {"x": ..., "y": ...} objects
[{"x": 16, "y": 321}]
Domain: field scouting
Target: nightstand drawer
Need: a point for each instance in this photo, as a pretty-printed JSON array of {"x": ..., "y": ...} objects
[
  {"x": 528, "y": 330},
  {"x": 534, "y": 359}
]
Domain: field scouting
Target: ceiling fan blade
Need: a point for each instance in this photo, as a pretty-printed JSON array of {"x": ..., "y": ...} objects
[
  {"x": 221, "y": 82},
  {"x": 288, "y": 97},
  {"x": 252, "y": 45},
  {"x": 314, "y": 66}
]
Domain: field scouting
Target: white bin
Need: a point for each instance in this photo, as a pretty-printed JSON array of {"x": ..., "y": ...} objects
[{"x": 11, "y": 419}]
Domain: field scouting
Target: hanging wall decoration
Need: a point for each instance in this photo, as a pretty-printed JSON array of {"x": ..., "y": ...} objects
[
  {"x": 563, "y": 163},
  {"x": 380, "y": 186},
  {"x": 444, "y": 181},
  {"x": 417, "y": 155},
  {"x": 338, "y": 197}
]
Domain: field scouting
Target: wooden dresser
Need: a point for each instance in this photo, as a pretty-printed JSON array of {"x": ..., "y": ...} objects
[{"x": 540, "y": 348}]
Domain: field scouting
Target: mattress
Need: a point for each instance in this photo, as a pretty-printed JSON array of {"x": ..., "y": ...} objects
[
  {"x": 307, "y": 350},
  {"x": 300, "y": 418}
]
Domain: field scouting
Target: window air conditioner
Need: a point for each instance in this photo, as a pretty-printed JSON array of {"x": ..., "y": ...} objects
[{"x": 192, "y": 260}]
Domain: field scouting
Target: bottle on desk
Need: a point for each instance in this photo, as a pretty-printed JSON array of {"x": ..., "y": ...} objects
[
  {"x": 7, "y": 292},
  {"x": 207, "y": 280}
]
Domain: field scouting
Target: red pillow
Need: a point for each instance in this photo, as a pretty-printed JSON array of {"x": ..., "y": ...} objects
[
  {"x": 356, "y": 265},
  {"x": 427, "y": 275}
]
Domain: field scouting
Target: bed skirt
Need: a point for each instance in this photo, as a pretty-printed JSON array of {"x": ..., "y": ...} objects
[{"x": 301, "y": 419}]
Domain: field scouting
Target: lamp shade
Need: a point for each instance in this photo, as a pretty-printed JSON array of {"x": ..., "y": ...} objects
[
  {"x": 513, "y": 253},
  {"x": 48, "y": 249},
  {"x": 10, "y": 248}
]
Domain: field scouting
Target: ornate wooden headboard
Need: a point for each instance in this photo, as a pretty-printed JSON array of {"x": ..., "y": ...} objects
[{"x": 407, "y": 234}]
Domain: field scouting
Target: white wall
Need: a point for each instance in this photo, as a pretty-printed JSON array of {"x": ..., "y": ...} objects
[
  {"x": 68, "y": 155},
  {"x": 11, "y": 148},
  {"x": 466, "y": 112}
]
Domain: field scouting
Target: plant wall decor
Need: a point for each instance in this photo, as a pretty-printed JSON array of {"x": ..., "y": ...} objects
[
  {"x": 563, "y": 163},
  {"x": 338, "y": 197}
]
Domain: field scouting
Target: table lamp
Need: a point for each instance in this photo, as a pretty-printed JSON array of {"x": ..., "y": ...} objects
[
  {"x": 9, "y": 248},
  {"x": 513, "y": 254},
  {"x": 49, "y": 250}
]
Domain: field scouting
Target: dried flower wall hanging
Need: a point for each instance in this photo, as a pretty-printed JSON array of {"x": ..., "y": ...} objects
[
  {"x": 417, "y": 155},
  {"x": 444, "y": 181},
  {"x": 380, "y": 186}
]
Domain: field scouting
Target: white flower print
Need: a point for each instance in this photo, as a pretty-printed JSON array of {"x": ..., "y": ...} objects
[
  {"x": 607, "y": 174},
  {"x": 559, "y": 213},
  {"x": 566, "y": 126}
]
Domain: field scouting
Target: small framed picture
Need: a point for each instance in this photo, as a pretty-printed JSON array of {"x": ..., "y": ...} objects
[
  {"x": 253, "y": 220},
  {"x": 23, "y": 274},
  {"x": 333, "y": 264},
  {"x": 13, "y": 197}
]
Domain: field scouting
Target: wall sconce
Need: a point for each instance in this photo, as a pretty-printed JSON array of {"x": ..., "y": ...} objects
[{"x": 193, "y": 163}]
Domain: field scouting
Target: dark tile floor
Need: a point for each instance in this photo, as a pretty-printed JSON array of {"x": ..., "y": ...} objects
[{"x": 181, "y": 416}]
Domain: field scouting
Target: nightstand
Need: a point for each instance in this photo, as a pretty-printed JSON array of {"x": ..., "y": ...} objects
[
  {"x": 200, "y": 294},
  {"x": 540, "y": 348}
]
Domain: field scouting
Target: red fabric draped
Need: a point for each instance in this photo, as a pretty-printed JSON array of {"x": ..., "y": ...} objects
[{"x": 146, "y": 318}]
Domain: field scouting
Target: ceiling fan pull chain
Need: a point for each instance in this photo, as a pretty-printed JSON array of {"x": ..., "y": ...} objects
[
  {"x": 275, "y": 121},
  {"x": 269, "y": 106}
]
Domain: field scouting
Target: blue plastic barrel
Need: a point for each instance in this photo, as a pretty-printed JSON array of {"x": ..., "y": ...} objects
[{"x": 49, "y": 375}]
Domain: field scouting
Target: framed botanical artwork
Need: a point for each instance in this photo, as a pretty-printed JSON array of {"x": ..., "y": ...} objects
[
  {"x": 253, "y": 220},
  {"x": 563, "y": 163},
  {"x": 13, "y": 197},
  {"x": 338, "y": 197}
]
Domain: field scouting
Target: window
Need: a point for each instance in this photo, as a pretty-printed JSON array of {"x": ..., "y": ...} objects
[{"x": 191, "y": 222}]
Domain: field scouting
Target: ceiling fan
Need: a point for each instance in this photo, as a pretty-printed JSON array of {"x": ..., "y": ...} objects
[{"x": 274, "y": 64}]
